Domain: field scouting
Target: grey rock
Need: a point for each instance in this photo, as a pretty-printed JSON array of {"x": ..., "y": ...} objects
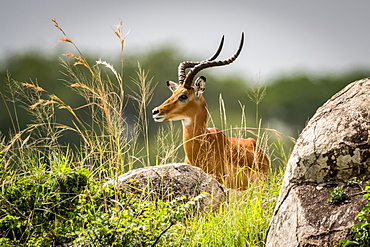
[
  {"x": 170, "y": 181},
  {"x": 333, "y": 148}
]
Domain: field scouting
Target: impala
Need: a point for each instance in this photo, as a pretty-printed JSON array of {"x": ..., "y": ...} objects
[{"x": 232, "y": 161}]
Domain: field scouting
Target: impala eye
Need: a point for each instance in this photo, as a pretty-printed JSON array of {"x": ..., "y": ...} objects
[{"x": 183, "y": 97}]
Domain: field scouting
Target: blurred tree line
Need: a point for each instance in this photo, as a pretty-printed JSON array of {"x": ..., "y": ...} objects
[{"x": 290, "y": 99}]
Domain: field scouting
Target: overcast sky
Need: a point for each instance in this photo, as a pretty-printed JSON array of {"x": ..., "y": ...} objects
[{"x": 281, "y": 35}]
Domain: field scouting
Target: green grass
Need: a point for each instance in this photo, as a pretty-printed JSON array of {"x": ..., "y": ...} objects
[
  {"x": 51, "y": 192},
  {"x": 241, "y": 222}
]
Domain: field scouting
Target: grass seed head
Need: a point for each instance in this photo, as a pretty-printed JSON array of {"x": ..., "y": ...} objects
[
  {"x": 65, "y": 40},
  {"x": 36, "y": 88}
]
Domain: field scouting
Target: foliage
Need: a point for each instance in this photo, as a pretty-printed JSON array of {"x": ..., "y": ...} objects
[
  {"x": 36, "y": 204},
  {"x": 361, "y": 230},
  {"x": 338, "y": 195},
  {"x": 134, "y": 223},
  {"x": 64, "y": 205}
]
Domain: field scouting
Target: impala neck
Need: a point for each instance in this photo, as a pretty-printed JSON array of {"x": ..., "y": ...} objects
[{"x": 194, "y": 130}]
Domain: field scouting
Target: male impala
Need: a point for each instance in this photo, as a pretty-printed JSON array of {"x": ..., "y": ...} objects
[{"x": 234, "y": 162}]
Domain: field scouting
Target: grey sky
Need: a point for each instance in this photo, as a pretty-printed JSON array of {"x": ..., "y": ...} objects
[{"x": 315, "y": 35}]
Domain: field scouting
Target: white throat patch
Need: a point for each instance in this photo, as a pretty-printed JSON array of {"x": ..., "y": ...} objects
[{"x": 186, "y": 122}]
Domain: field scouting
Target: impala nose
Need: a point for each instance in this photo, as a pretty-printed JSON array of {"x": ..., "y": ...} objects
[
  {"x": 155, "y": 112},
  {"x": 156, "y": 117}
]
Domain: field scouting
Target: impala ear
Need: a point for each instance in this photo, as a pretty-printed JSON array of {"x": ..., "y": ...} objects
[
  {"x": 200, "y": 85},
  {"x": 172, "y": 85}
]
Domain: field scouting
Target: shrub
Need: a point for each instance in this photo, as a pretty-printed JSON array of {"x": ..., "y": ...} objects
[
  {"x": 46, "y": 208},
  {"x": 35, "y": 204}
]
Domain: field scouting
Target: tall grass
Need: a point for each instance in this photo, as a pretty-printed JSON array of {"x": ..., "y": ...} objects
[
  {"x": 243, "y": 221},
  {"x": 51, "y": 193}
]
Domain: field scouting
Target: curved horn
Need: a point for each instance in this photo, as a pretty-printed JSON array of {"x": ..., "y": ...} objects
[
  {"x": 218, "y": 50},
  {"x": 211, "y": 63},
  {"x": 188, "y": 64}
]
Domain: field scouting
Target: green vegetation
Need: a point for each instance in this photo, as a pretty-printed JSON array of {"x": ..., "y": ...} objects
[
  {"x": 338, "y": 195},
  {"x": 361, "y": 230},
  {"x": 242, "y": 222},
  {"x": 65, "y": 205}
]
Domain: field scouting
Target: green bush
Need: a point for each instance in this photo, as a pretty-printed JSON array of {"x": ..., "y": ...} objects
[
  {"x": 35, "y": 204},
  {"x": 46, "y": 208}
]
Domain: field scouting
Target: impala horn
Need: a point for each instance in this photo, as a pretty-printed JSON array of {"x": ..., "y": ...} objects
[
  {"x": 196, "y": 67},
  {"x": 188, "y": 64}
]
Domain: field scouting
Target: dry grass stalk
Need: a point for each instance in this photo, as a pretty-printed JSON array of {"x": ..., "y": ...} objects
[{"x": 33, "y": 86}]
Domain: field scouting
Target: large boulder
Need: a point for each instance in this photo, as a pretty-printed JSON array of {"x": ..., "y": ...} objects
[
  {"x": 170, "y": 181},
  {"x": 333, "y": 149}
]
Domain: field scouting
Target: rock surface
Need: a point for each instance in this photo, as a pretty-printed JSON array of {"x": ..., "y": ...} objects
[
  {"x": 169, "y": 181},
  {"x": 332, "y": 149}
]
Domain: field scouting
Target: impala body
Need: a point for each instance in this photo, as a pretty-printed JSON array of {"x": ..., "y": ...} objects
[{"x": 232, "y": 161}]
